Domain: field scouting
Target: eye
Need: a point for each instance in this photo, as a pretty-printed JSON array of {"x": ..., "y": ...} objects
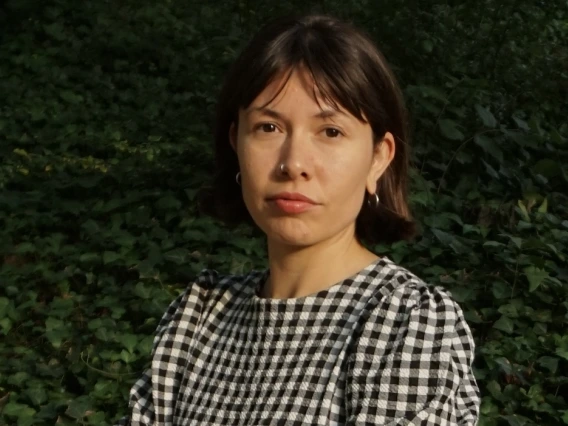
[
  {"x": 332, "y": 132},
  {"x": 266, "y": 127}
]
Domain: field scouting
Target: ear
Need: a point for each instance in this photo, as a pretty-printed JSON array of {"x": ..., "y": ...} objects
[
  {"x": 233, "y": 135},
  {"x": 383, "y": 153}
]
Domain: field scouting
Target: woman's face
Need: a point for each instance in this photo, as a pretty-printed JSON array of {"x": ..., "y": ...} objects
[{"x": 328, "y": 159}]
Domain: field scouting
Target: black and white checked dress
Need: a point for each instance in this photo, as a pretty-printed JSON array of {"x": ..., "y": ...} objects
[{"x": 379, "y": 348}]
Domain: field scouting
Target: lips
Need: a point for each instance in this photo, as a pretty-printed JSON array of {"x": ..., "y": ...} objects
[
  {"x": 292, "y": 203},
  {"x": 292, "y": 196}
]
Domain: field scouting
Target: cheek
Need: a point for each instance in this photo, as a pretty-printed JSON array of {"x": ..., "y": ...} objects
[
  {"x": 255, "y": 169},
  {"x": 346, "y": 172},
  {"x": 255, "y": 165}
]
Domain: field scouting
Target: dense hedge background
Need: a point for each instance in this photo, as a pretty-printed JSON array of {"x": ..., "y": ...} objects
[{"x": 105, "y": 138}]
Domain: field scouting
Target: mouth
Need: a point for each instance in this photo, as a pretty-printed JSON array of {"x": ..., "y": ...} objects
[
  {"x": 292, "y": 203},
  {"x": 292, "y": 196}
]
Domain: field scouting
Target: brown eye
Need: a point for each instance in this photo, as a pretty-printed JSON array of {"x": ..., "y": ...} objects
[
  {"x": 330, "y": 132},
  {"x": 267, "y": 127}
]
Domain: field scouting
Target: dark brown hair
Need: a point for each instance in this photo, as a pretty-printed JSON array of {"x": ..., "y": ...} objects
[{"x": 348, "y": 70}]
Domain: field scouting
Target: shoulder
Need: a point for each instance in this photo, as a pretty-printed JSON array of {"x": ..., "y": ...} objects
[
  {"x": 404, "y": 291},
  {"x": 210, "y": 286},
  {"x": 405, "y": 305}
]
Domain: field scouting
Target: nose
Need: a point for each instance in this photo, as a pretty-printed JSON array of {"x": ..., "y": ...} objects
[{"x": 296, "y": 158}]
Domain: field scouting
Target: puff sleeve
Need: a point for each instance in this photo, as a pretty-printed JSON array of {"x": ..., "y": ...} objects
[{"x": 411, "y": 362}]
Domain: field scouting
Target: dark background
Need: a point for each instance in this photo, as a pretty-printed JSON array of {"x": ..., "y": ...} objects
[{"x": 105, "y": 120}]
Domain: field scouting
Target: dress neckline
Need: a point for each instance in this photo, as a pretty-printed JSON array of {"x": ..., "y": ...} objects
[{"x": 326, "y": 293}]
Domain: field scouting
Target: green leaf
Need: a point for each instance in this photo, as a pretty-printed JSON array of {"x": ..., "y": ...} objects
[
  {"x": 563, "y": 353},
  {"x": 145, "y": 345},
  {"x": 504, "y": 324},
  {"x": 142, "y": 291},
  {"x": 473, "y": 317},
  {"x": 56, "y": 337},
  {"x": 89, "y": 258},
  {"x": 510, "y": 310},
  {"x": 53, "y": 324},
  {"x": 540, "y": 329},
  {"x": 488, "y": 407},
  {"x": 78, "y": 408},
  {"x": 110, "y": 205},
  {"x": 448, "y": 239},
  {"x": 427, "y": 45},
  {"x": 129, "y": 341},
  {"x": 178, "y": 256},
  {"x": 524, "y": 211},
  {"x": 544, "y": 206},
  {"x": 168, "y": 202},
  {"x": 516, "y": 420},
  {"x": 550, "y": 363},
  {"x": 504, "y": 364},
  {"x": 489, "y": 146},
  {"x": 19, "y": 379},
  {"x": 542, "y": 315},
  {"x": 4, "y": 302},
  {"x": 25, "y": 247},
  {"x": 438, "y": 220},
  {"x": 450, "y": 130},
  {"x": 494, "y": 389},
  {"x": 5, "y": 325},
  {"x": 91, "y": 226},
  {"x": 548, "y": 168},
  {"x": 110, "y": 256},
  {"x": 27, "y": 418},
  {"x": 490, "y": 170},
  {"x": 94, "y": 324},
  {"x": 104, "y": 334},
  {"x": 18, "y": 410},
  {"x": 127, "y": 357},
  {"x": 521, "y": 123},
  {"x": 517, "y": 241},
  {"x": 37, "y": 395},
  {"x": 21, "y": 152},
  {"x": 501, "y": 290},
  {"x": 463, "y": 294},
  {"x": 435, "y": 252},
  {"x": 486, "y": 117},
  {"x": 493, "y": 244},
  {"x": 97, "y": 418},
  {"x": 535, "y": 276}
]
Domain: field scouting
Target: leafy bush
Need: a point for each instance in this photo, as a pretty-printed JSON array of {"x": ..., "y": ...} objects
[{"x": 105, "y": 131}]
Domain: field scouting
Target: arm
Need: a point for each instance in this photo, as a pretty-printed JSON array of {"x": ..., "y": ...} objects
[
  {"x": 411, "y": 362},
  {"x": 141, "y": 404}
]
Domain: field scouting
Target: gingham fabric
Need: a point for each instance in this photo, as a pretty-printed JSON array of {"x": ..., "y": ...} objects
[{"x": 379, "y": 348}]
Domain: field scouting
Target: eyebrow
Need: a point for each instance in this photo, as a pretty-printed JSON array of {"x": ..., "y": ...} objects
[{"x": 324, "y": 114}]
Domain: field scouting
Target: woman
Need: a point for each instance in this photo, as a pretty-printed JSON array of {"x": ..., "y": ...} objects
[{"x": 311, "y": 145}]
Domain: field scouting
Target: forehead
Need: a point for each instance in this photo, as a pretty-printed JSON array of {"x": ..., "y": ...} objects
[{"x": 295, "y": 83}]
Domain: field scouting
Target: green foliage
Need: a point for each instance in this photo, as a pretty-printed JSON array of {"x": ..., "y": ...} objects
[{"x": 105, "y": 140}]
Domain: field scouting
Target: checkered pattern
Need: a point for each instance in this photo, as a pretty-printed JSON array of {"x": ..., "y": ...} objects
[{"x": 379, "y": 348}]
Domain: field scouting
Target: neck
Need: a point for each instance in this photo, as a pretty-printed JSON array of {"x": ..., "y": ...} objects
[{"x": 301, "y": 271}]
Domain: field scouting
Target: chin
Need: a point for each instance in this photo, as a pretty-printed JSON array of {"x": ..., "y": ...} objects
[{"x": 290, "y": 232}]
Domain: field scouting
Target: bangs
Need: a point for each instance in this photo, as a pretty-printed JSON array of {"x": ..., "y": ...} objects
[{"x": 335, "y": 80}]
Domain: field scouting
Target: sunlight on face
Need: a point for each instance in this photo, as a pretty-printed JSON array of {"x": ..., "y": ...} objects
[{"x": 328, "y": 157}]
